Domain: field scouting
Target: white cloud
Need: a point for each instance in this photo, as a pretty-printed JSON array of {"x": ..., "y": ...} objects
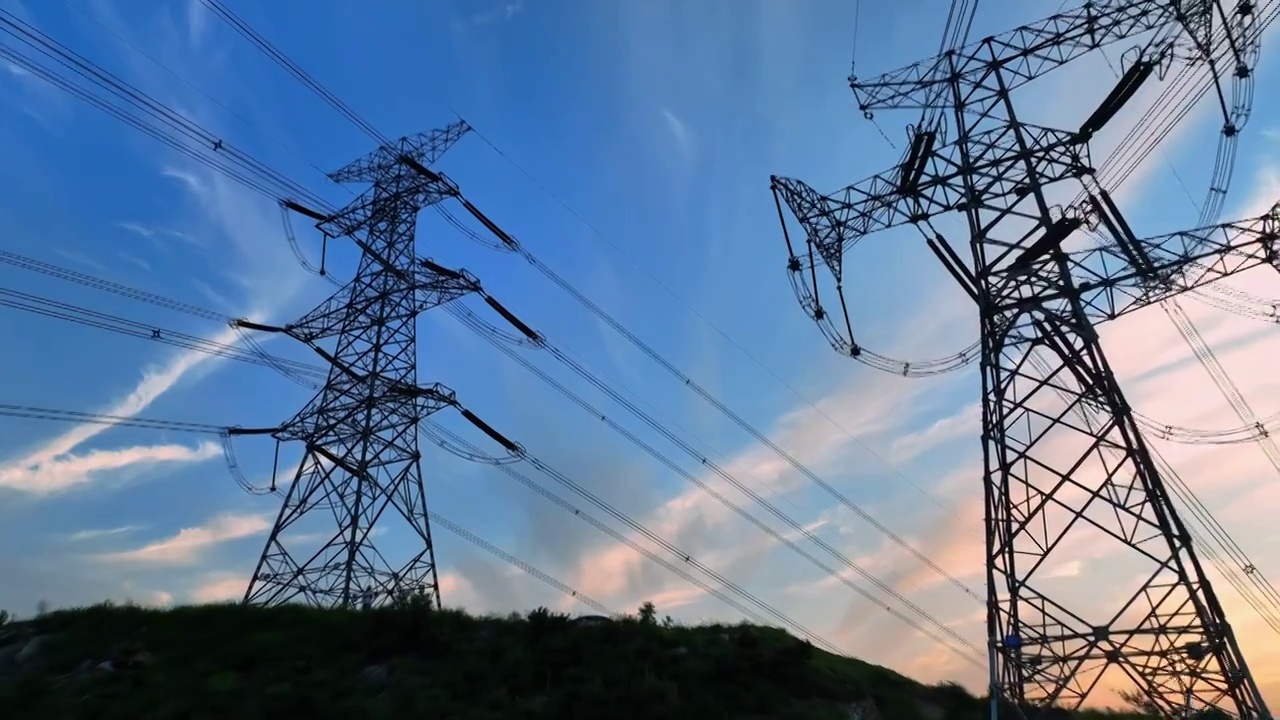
[
  {"x": 133, "y": 259},
  {"x": 686, "y": 142},
  {"x": 83, "y": 535},
  {"x": 219, "y": 587},
  {"x": 193, "y": 182},
  {"x": 80, "y": 259},
  {"x": 52, "y": 466},
  {"x": 962, "y": 424},
  {"x": 137, "y": 228},
  {"x": 501, "y": 13},
  {"x": 189, "y": 544},
  {"x": 43, "y": 473},
  {"x": 197, "y": 22}
]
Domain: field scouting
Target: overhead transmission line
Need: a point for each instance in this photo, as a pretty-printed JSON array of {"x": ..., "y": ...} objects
[
  {"x": 216, "y": 146},
  {"x": 960, "y": 21},
  {"x": 510, "y": 243},
  {"x": 306, "y": 374},
  {"x": 438, "y": 433},
  {"x": 1222, "y": 540},
  {"x": 257, "y": 356},
  {"x": 1244, "y": 576},
  {"x": 38, "y": 413},
  {"x": 297, "y": 371},
  {"x": 926, "y": 559},
  {"x": 1186, "y": 93},
  {"x": 1174, "y": 103},
  {"x": 133, "y": 106}
]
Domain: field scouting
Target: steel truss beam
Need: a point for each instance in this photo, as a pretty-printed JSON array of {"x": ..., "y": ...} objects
[
  {"x": 1056, "y": 487},
  {"x": 361, "y": 466}
]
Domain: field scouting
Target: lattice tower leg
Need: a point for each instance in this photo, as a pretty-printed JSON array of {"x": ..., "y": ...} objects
[
  {"x": 1058, "y": 490},
  {"x": 362, "y": 454}
]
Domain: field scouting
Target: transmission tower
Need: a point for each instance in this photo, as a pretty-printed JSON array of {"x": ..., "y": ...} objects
[
  {"x": 1050, "y": 480},
  {"x": 360, "y": 431}
]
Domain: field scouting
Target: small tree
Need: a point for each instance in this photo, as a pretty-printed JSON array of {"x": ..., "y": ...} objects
[
  {"x": 42, "y": 607},
  {"x": 1140, "y": 702},
  {"x": 648, "y": 614},
  {"x": 5, "y": 617}
]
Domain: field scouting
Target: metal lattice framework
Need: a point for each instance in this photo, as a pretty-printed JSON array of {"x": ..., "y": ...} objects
[
  {"x": 361, "y": 462},
  {"x": 1065, "y": 462}
]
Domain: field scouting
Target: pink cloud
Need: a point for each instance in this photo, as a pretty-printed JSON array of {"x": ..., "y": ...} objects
[{"x": 189, "y": 544}]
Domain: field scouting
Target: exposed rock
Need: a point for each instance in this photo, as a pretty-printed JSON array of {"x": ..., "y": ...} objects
[
  {"x": 8, "y": 653},
  {"x": 135, "y": 660},
  {"x": 864, "y": 710},
  {"x": 30, "y": 651},
  {"x": 929, "y": 711},
  {"x": 376, "y": 674}
]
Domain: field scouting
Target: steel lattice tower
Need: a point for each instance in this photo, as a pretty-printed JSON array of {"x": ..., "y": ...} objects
[
  {"x": 360, "y": 432},
  {"x": 1064, "y": 459}
]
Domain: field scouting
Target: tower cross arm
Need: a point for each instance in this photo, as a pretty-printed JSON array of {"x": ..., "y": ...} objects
[
  {"x": 425, "y": 148},
  {"x": 1021, "y": 54},
  {"x": 1121, "y": 277},
  {"x": 929, "y": 182},
  {"x": 377, "y": 203},
  {"x": 435, "y": 285}
]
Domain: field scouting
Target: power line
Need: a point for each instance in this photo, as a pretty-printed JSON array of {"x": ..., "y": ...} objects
[
  {"x": 158, "y": 111},
  {"x": 40, "y": 413},
  {"x": 347, "y": 112},
  {"x": 465, "y": 318},
  {"x": 468, "y": 450},
  {"x": 530, "y": 570}
]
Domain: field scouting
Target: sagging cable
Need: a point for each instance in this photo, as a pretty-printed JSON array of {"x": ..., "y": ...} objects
[
  {"x": 271, "y": 360},
  {"x": 233, "y": 467}
]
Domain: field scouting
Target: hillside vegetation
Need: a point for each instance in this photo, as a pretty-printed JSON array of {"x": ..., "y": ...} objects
[{"x": 232, "y": 662}]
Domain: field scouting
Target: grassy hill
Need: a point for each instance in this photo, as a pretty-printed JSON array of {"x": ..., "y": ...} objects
[{"x": 232, "y": 662}]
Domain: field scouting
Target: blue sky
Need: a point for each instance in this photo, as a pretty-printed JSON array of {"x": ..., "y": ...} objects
[{"x": 658, "y": 122}]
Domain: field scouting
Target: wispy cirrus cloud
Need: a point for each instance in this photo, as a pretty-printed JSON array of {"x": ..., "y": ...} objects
[
  {"x": 502, "y": 12},
  {"x": 685, "y": 140},
  {"x": 98, "y": 534}
]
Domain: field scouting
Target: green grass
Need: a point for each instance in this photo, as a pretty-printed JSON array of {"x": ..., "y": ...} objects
[{"x": 239, "y": 663}]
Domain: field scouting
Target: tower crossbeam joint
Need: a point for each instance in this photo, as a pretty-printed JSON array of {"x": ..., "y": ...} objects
[{"x": 1021, "y": 55}]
